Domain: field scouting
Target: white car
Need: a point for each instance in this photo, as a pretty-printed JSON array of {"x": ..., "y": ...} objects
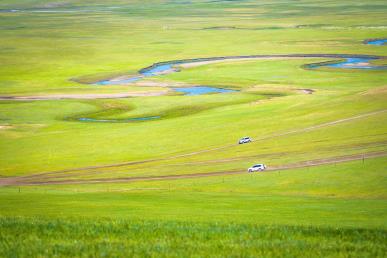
[
  {"x": 257, "y": 167},
  {"x": 244, "y": 140}
]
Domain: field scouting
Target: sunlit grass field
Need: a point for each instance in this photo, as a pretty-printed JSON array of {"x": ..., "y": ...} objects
[
  {"x": 324, "y": 211},
  {"x": 295, "y": 115}
]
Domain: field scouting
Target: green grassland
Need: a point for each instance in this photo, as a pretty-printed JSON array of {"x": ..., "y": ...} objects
[
  {"x": 174, "y": 239},
  {"x": 345, "y": 193},
  {"x": 325, "y": 211},
  {"x": 62, "y": 47}
]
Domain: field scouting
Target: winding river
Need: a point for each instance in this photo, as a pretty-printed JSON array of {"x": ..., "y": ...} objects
[
  {"x": 157, "y": 69},
  {"x": 349, "y": 62},
  {"x": 343, "y": 61}
]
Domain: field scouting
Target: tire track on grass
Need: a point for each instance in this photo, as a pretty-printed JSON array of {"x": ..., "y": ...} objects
[
  {"x": 258, "y": 139},
  {"x": 303, "y": 164}
]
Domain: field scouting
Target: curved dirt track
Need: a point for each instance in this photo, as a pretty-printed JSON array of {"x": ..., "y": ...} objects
[
  {"x": 257, "y": 139},
  {"x": 85, "y": 96},
  {"x": 304, "y": 164}
]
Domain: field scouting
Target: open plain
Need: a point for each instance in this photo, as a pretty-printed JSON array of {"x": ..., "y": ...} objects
[{"x": 120, "y": 121}]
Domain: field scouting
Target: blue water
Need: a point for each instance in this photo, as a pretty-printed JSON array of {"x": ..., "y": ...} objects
[
  {"x": 143, "y": 118},
  {"x": 349, "y": 63},
  {"x": 8, "y": 10},
  {"x": 109, "y": 82},
  {"x": 191, "y": 91},
  {"x": 157, "y": 70},
  {"x": 85, "y": 119},
  {"x": 379, "y": 42},
  {"x": 352, "y": 63}
]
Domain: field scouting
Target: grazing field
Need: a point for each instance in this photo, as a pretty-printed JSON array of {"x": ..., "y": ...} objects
[{"x": 99, "y": 157}]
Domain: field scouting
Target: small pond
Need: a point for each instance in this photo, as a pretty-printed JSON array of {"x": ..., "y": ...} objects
[
  {"x": 378, "y": 42},
  {"x": 200, "y": 90}
]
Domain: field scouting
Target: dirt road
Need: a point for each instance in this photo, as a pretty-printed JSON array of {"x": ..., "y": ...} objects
[
  {"x": 303, "y": 164},
  {"x": 86, "y": 96},
  {"x": 257, "y": 139}
]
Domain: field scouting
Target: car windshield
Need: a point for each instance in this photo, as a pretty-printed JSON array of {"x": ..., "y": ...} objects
[{"x": 255, "y": 166}]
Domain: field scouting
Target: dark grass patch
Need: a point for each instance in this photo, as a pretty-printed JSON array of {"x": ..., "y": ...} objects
[
  {"x": 106, "y": 109},
  {"x": 34, "y": 237},
  {"x": 109, "y": 109}
]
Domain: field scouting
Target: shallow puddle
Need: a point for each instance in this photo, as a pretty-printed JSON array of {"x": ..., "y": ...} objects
[{"x": 200, "y": 90}]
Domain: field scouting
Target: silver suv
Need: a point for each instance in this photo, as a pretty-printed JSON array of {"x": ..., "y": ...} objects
[
  {"x": 257, "y": 167},
  {"x": 244, "y": 140}
]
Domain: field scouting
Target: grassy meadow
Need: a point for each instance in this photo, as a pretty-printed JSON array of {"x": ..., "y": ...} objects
[{"x": 50, "y": 203}]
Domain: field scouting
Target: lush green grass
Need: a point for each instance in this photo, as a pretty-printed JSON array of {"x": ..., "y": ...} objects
[
  {"x": 39, "y": 138},
  {"x": 40, "y": 237},
  {"x": 275, "y": 73},
  {"x": 335, "y": 210},
  {"x": 332, "y": 210},
  {"x": 42, "y": 51},
  {"x": 349, "y": 194},
  {"x": 46, "y": 122}
]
